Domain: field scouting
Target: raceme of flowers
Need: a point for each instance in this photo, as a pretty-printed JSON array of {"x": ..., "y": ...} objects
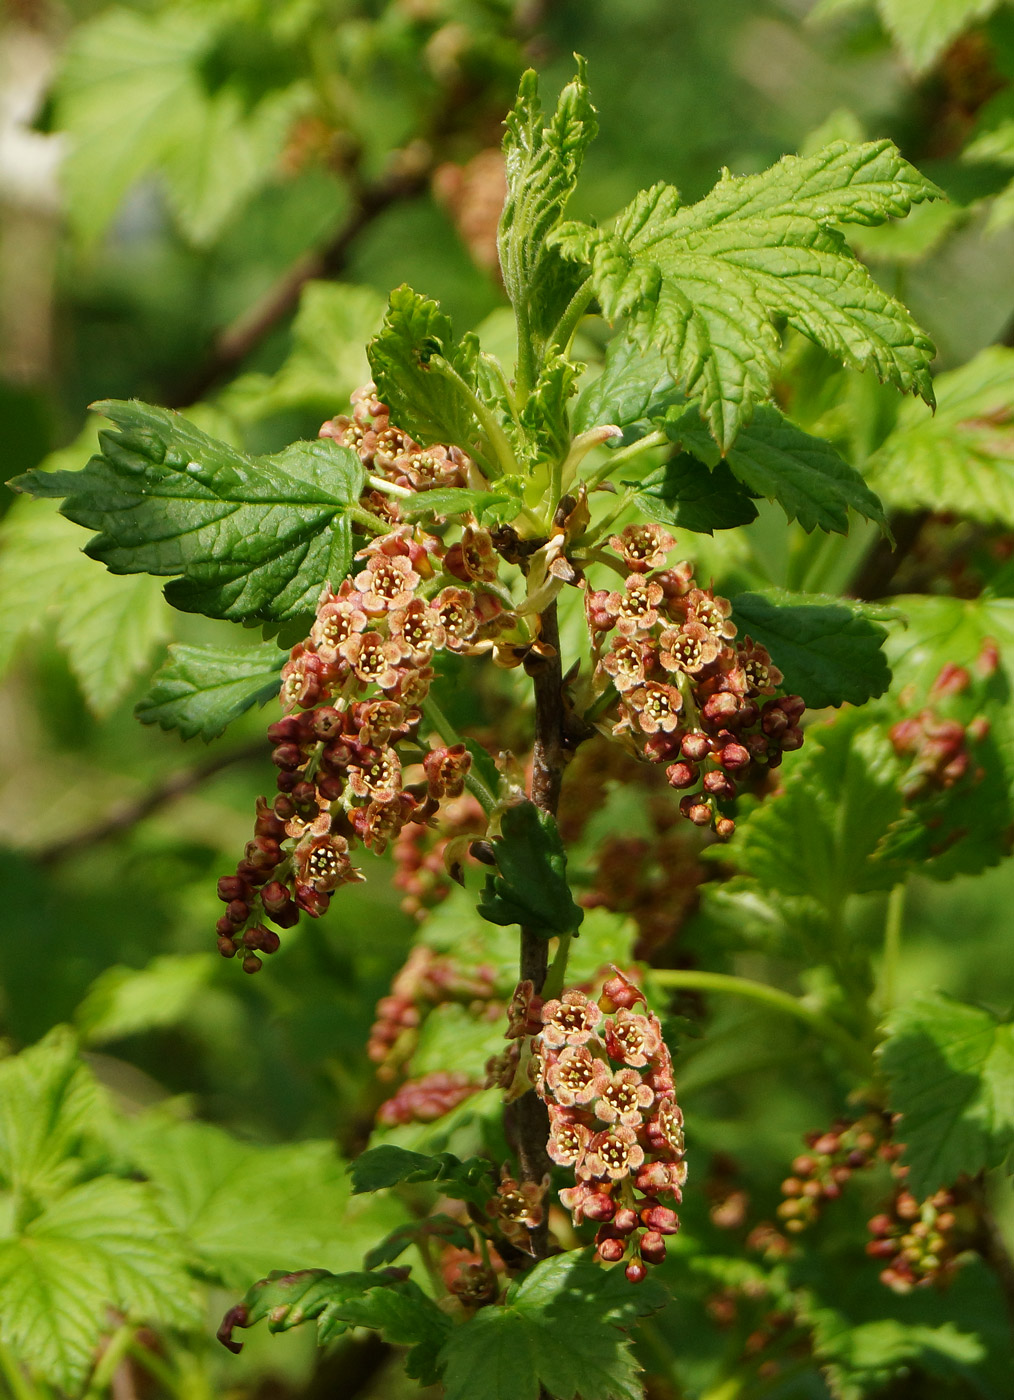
[
  {"x": 354, "y": 690},
  {"x": 690, "y": 695},
  {"x": 605, "y": 1075}
]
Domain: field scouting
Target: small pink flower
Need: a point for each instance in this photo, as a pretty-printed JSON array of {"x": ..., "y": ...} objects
[
  {"x": 302, "y": 678},
  {"x": 713, "y": 613},
  {"x": 445, "y": 770},
  {"x": 656, "y": 707},
  {"x": 632, "y": 1038},
  {"x": 373, "y": 659},
  {"x": 455, "y": 608},
  {"x": 636, "y": 608},
  {"x": 762, "y": 675},
  {"x": 658, "y": 1178},
  {"x": 418, "y": 628},
  {"x": 575, "y": 1077},
  {"x": 387, "y": 582},
  {"x": 569, "y": 1020},
  {"x": 378, "y": 720},
  {"x": 644, "y": 547},
  {"x": 568, "y": 1138},
  {"x": 624, "y": 1099},
  {"x": 688, "y": 648},
  {"x": 597, "y": 610},
  {"x": 474, "y": 560},
  {"x": 612, "y": 1154},
  {"x": 322, "y": 863},
  {"x": 377, "y": 774},
  {"x": 665, "y": 1130},
  {"x": 524, "y": 1012},
  {"x": 626, "y": 662}
]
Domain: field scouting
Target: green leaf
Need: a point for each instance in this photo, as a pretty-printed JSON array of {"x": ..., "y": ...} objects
[
  {"x": 951, "y": 1073},
  {"x": 545, "y": 418},
  {"x": 410, "y": 360},
  {"x": 49, "y": 1105},
  {"x": 388, "y": 1302},
  {"x": 686, "y": 494},
  {"x": 859, "y": 1360},
  {"x": 542, "y": 166},
  {"x": 708, "y": 284},
  {"x": 300, "y": 1209},
  {"x": 923, "y": 29},
  {"x": 934, "y": 631},
  {"x": 531, "y": 888},
  {"x": 772, "y": 457},
  {"x": 102, "y": 1246},
  {"x": 388, "y": 1165},
  {"x": 634, "y": 389},
  {"x": 442, "y": 1228},
  {"x": 819, "y": 837},
  {"x": 562, "y": 1327},
  {"x": 106, "y": 627},
  {"x": 446, "y": 501},
  {"x": 327, "y": 360},
  {"x": 251, "y": 537},
  {"x": 830, "y": 650},
  {"x": 133, "y": 97},
  {"x": 962, "y": 458},
  {"x": 125, "y": 1000},
  {"x": 201, "y": 690}
]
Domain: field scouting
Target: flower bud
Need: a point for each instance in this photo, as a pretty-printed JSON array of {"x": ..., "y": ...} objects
[
  {"x": 625, "y": 1220},
  {"x": 660, "y": 1219},
  {"x": 611, "y": 1251},
  {"x": 226, "y": 947},
  {"x": 230, "y": 887},
  {"x": 251, "y": 963},
  {"x": 652, "y": 1247},
  {"x": 734, "y": 757},
  {"x": 238, "y": 911},
  {"x": 695, "y": 746},
  {"x": 681, "y": 775},
  {"x": 288, "y": 757},
  {"x": 635, "y": 1271},
  {"x": 718, "y": 784}
]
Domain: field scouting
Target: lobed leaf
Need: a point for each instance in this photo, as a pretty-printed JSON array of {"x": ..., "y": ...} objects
[
  {"x": 772, "y": 457},
  {"x": 542, "y": 165},
  {"x": 388, "y": 1165},
  {"x": 245, "y": 537},
  {"x": 201, "y": 690},
  {"x": 103, "y": 1245},
  {"x": 409, "y": 360},
  {"x": 951, "y": 1073},
  {"x": 708, "y": 284},
  {"x": 830, "y": 650},
  {"x": 923, "y": 29},
  {"x": 684, "y": 493},
  {"x": 531, "y": 888},
  {"x": 962, "y": 458},
  {"x": 560, "y": 1331},
  {"x": 389, "y": 1302},
  {"x": 634, "y": 389}
]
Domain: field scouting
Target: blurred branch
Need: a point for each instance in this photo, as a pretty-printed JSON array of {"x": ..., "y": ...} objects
[
  {"x": 127, "y": 814},
  {"x": 241, "y": 338},
  {"x": 876, "y": 573}
]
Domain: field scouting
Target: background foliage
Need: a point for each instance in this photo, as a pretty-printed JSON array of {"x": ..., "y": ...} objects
[{"x": 205, "y": 203}]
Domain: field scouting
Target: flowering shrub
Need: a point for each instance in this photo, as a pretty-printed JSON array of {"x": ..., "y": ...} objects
[{"x": 486, "y": 660}]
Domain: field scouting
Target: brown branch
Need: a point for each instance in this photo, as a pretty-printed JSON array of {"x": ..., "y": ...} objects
[
  {"x": 527, "y": 1118},
  {"x": 237, "y": 341},
  {"x": 876, "y": 573},
  {"x": 127, "y": 814}
]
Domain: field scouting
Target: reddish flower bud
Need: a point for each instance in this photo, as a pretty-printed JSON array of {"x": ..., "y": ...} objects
[
  {"x": 226, "y": 947},
  {"x": 720, "y": 708},
  {"x": 328, "y": 722},
  {"x": 599, "y": 1207},
  {"x": 719, "y": 785},
  {"x": 681, "y": 775},
  {"x": 238, "y": 911},
  {"x": 792, "y": 739},
  {"x": 734, "y": 757},
  {"x": 652, "y": 1247},
  {"x": 611, "y": 1251},
  {"x": 661, "y": 1219},
  {"x": 251, "y": 963},
  {"x": 635, "y": 1271},
  {"x": 288, "y": 757},
  {"x": 695, "y": 746},
  {"x": 288, "y": 730},
  {"x": 230, "y": 887},
  {"x": 724, "y": 828},
  {"x": 625, "y": 1220},
  {"x": 225, "y": 928}
]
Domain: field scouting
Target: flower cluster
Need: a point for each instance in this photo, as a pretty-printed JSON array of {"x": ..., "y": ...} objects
[
  {"x": 690, "y": 695},
  {"x": 819, "y": 1175},
  {"x": 422, "y": 855},
  {"x": 426, "y": 980},
  {"x": 605, "y": 1074},
  {"x": 921, "y": 1242},
  {"x": 354, "y": 691},
  {"x": 388, "y": 452},
  {"x": 426, "y": 1099}
]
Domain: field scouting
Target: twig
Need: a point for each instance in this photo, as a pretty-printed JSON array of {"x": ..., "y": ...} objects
[
  {"x": 127, "y": 814},
  {"x": 877, "y": 571},
  {"x": 528, "y": 1116},
  {"x": 237, "y": 341}
]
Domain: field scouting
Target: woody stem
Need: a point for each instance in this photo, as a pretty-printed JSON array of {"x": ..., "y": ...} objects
[{"x": 528, "y": 1119}]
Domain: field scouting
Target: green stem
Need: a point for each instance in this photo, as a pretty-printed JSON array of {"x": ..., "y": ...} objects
[
  {"x": 436, "y": 717},
  {"x": 389, "y": 488},
  {"x": 553, "y": 985},
  {"x": 497, "y": 437},
  {"x": 525, "y": 370},
  {"x": 625, "y": 454},
  {"x": 116, "y": 1349},
  {"x": 571, "y": 318},
  {"x": 18, "y": 1383},
  {"x": 893, "y": 925},
  {"x": 368, "y": 520},
  {"x": 777, "y": 1000}
]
